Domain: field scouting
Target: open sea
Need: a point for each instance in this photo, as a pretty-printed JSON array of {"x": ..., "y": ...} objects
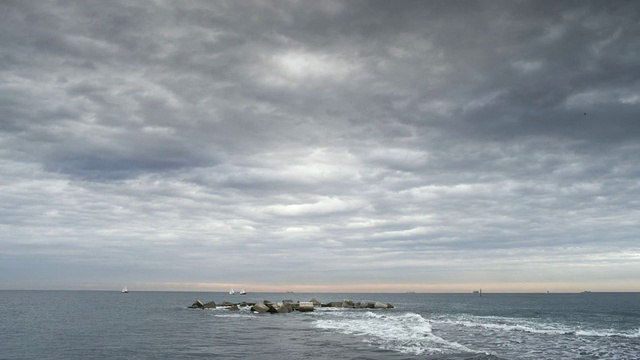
[{"x": 158, "y": 325}]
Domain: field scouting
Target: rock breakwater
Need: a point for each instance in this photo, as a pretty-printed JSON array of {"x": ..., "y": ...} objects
[{"x": 287, "y": 306}]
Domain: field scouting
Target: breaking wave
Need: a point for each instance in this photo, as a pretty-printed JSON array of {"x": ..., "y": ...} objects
[{"x": 407, "y": 333}]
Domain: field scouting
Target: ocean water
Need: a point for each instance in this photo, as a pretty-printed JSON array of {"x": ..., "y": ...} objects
[{"x": 158, "y": 325}]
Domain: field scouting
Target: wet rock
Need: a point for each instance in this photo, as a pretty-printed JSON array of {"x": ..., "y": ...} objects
[
  {"x": 347, "y": 304},
  {"x": 305, "y": 306},
  {"x": 372, "y": 305},
  {"x": 197, "y": 305},
  {"x": 333, "y": 304},
  {"x": 280, "y": 308},
  {"x": 260, "y": 307},
  {"x": 287, "y": 306},
  {"x": 209, "y": 305},
  {"x": 379, "y": 305},
  {"x": 340, "y": 304}
]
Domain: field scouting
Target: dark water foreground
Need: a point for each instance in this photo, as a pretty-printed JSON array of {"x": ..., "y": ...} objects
[{"x": 158, "y": 325}]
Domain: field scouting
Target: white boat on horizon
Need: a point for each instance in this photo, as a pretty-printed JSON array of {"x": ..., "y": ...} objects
[
  {"x": 231, "y": 292},
  {"x": 242, "y": 292},
  {"x": 124, "y": 289}
]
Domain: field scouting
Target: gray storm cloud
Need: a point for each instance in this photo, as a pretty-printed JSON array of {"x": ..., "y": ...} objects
[{"x": 283, "y": 144}]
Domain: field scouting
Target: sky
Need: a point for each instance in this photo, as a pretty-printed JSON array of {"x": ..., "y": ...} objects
[{"x": 358, "y": 146}]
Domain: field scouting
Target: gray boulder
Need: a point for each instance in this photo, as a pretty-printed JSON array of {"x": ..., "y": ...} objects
[
  {"x": 280, "y": 308},
  {"x": 372, "y": 305},
  {"x": 305, "y": 306},
  {"x": 347, "y": 304},
  {"x": 210, "y": 305},
  {"x": 197, "y": 305},
  {"x": 333, "y": 304},
  {"x": 379, "y": 305},
  {"x": 260, "y": 307},
  {"x": 234, "y": 307},
  {"x": 340, "y": 304}
]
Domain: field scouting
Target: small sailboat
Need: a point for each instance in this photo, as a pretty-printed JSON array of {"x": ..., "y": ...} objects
[
  {"x": 231, "y": 292},
  {"x": 124, "y": 289},
  {"x": 242, "y": 292}
]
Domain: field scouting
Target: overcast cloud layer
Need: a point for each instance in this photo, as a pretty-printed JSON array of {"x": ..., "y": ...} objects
[{"x": 320, "y": 145}]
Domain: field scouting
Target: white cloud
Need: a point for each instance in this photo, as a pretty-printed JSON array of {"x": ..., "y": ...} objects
[
  {"x": 324, "y": 206},
  {"x": 295, "y": 68}
]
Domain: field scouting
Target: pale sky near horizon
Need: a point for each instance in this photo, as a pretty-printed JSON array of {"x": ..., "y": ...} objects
[{"x": 439, "y": 146}]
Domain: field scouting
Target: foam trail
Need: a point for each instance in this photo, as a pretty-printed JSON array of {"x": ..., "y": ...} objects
[
  {"x": 518, "y": 324},
  {"x": 408, "y": 333}
]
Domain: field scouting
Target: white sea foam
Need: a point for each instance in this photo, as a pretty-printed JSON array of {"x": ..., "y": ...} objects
[
  {"x": 525, "y": 325},
  {"x": 408, "y": 333},
  {"x": 627, "y": 334}
]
